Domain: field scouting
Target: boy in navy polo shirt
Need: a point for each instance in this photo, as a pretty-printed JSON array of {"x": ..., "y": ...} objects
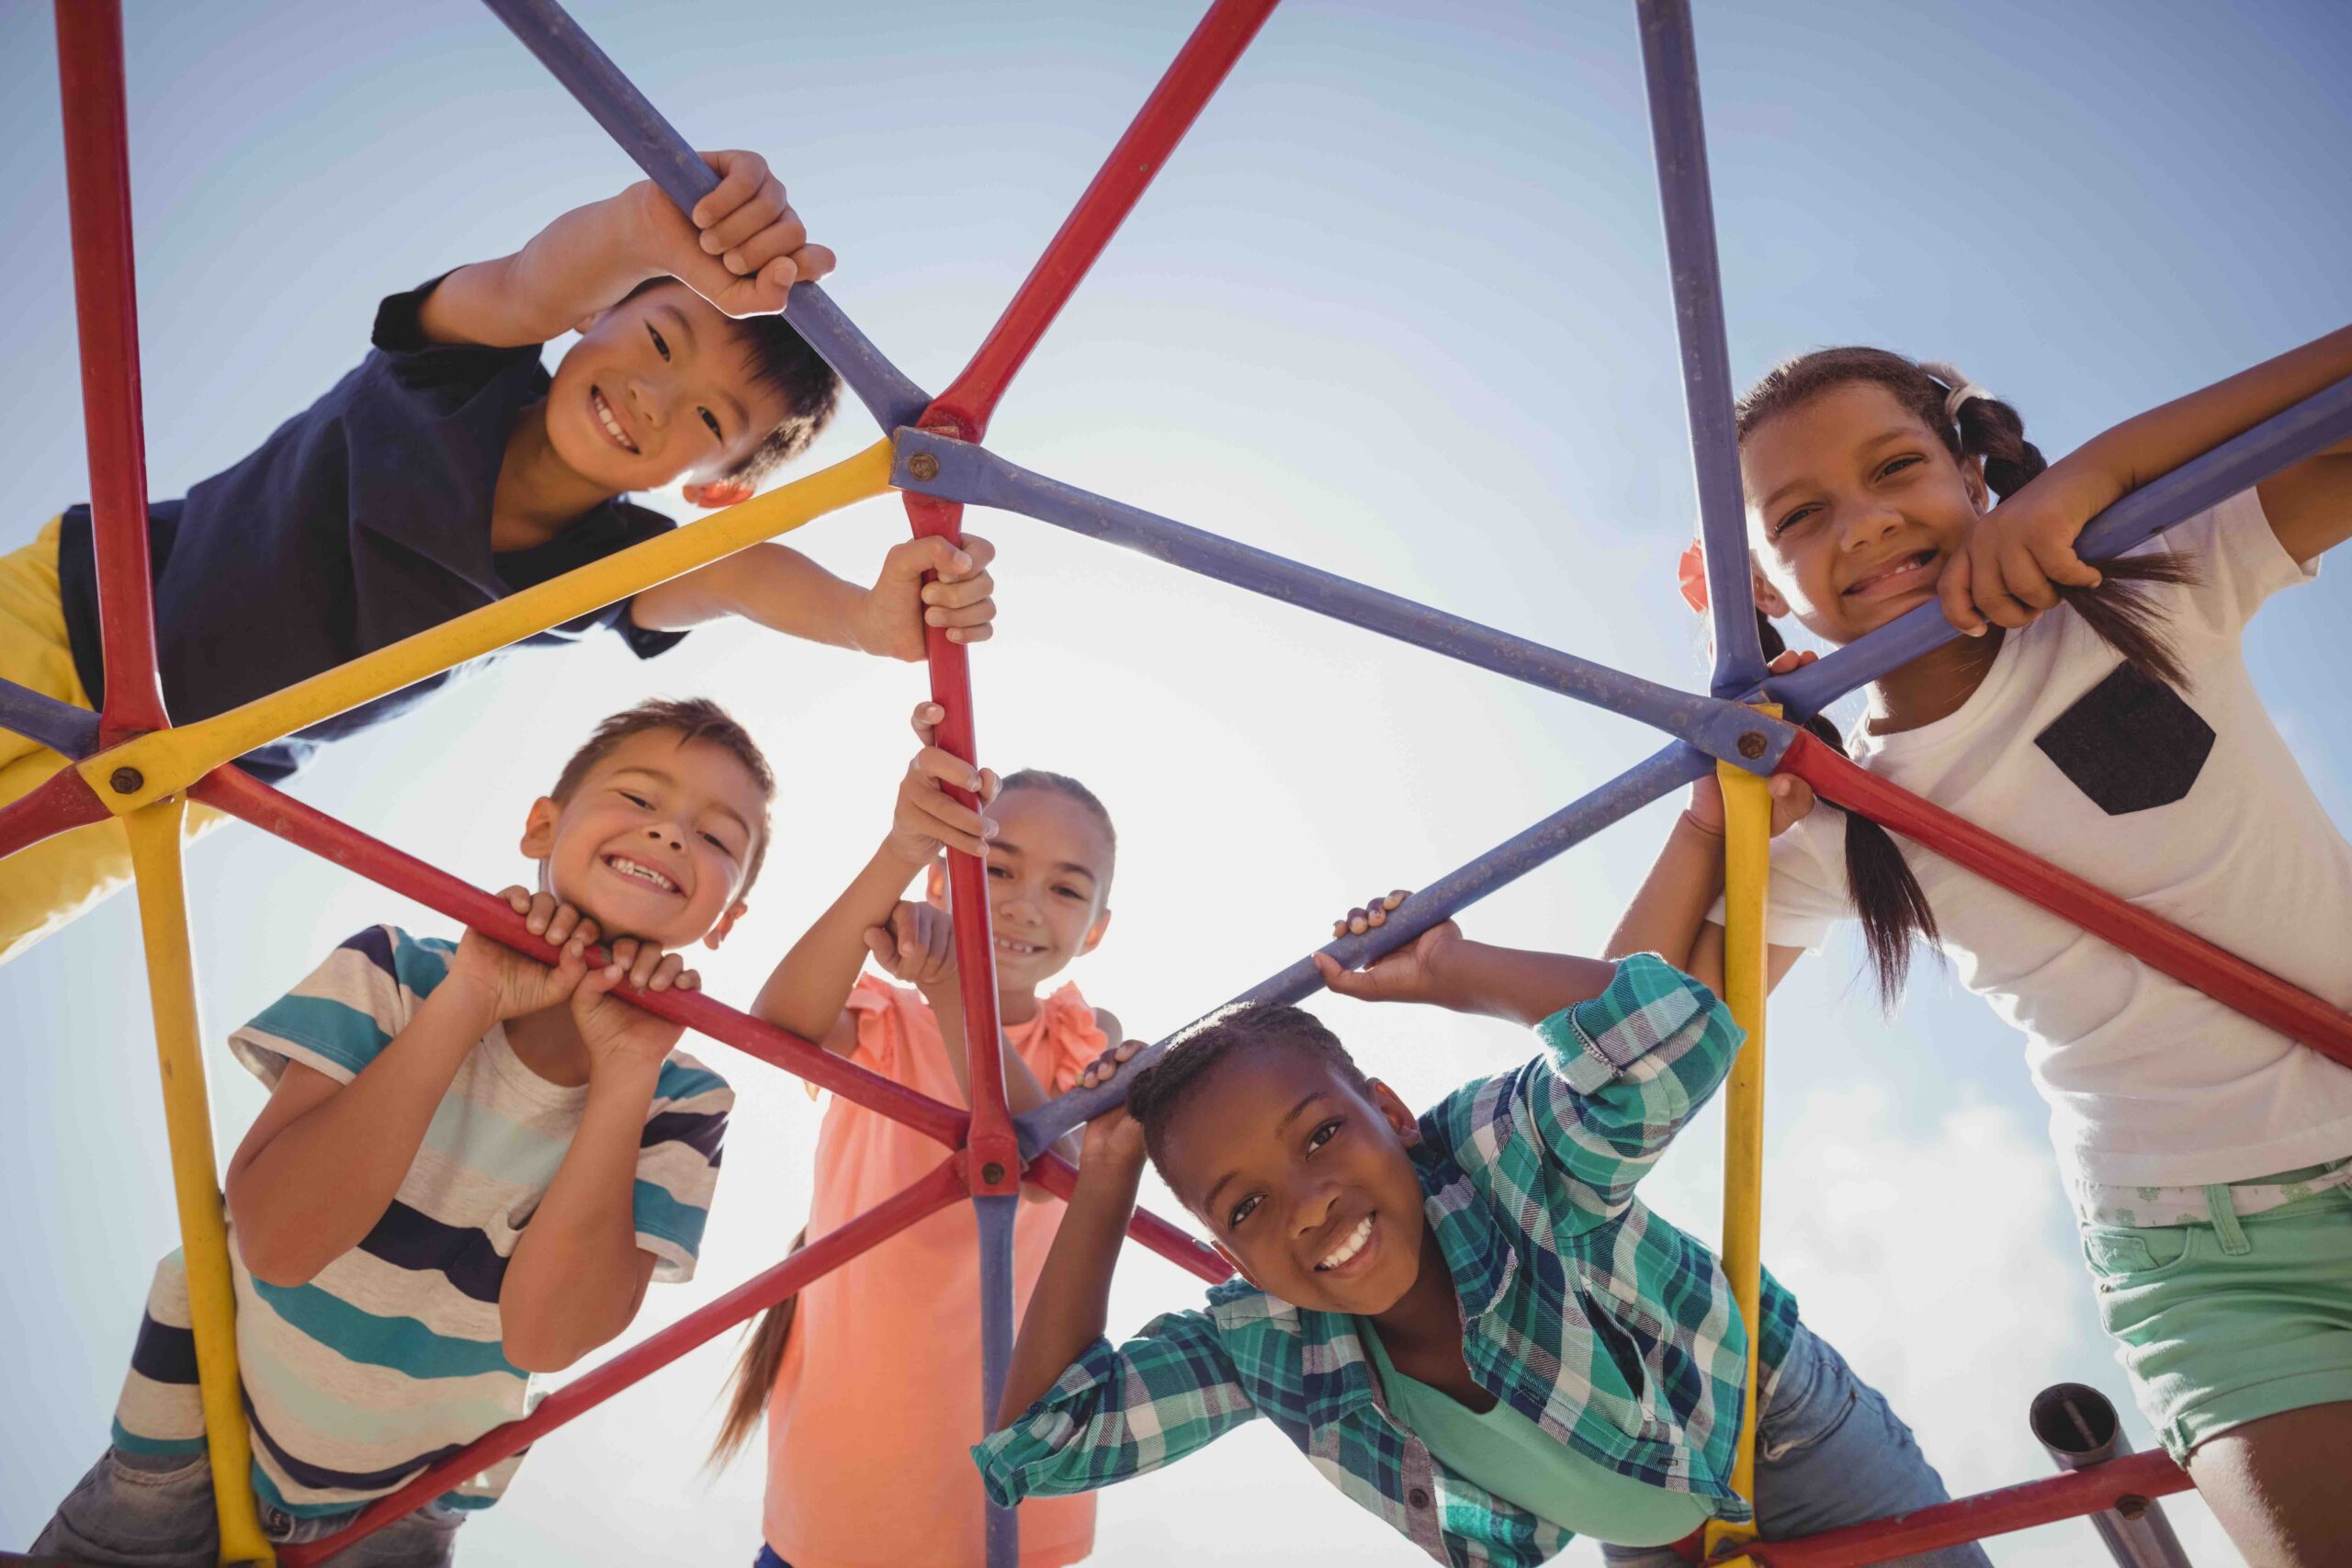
[{"x": 450, "y": 469}]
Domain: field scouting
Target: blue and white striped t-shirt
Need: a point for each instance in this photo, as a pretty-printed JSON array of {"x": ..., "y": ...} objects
[{"x": 392, "y": 1359}]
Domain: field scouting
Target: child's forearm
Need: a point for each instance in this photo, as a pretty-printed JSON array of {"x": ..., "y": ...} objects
[
  {"x": 577, "y": 265},
  {"x": 2152, "y": 444},
  {"x": 1072, "y": 1301},
  {"x": 577, "y": 1275},
  {"x": 769, "y": 584},
  {"x": 1516, "y": 983},
  {"x": 316, "y": 1189},
  {"x": 806, "y": 992},
  {"x": 1669, "y": 912}
]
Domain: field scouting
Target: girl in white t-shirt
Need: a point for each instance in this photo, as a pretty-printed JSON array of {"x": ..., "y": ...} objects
[{"x": 2209, "y": 1157}]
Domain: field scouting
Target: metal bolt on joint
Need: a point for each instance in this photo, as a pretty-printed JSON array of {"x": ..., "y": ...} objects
[
  {"x": 2130, "y": 1505},
  {"x": 924, "y": 465},
  {"x": 992, "y": 1173},
  {"x": 127, "y": 781},
  {"x": 1752, "y": 744}
]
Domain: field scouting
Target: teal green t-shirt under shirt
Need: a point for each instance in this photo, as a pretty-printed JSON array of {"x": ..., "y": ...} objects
[{"x": 1518, "y": 1460}]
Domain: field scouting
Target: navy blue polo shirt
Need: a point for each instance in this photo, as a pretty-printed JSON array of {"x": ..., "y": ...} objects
[{"x": 363, "y": 519}]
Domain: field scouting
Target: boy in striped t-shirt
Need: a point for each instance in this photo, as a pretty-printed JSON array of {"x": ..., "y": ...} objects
[{"x": 469, "y": 1168}]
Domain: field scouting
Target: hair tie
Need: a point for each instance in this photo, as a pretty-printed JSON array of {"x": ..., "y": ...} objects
[
  {"x": 1963, "y": 389},
  {"x": 1691, "y": 570}
]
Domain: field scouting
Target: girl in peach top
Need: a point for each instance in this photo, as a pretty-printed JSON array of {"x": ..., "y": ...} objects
[{"x": 870, "y": 1379}]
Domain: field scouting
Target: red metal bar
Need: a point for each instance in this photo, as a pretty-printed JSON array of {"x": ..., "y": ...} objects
[
  {"x": 97, "y": 191},
  {"x": 1058, "y": 1177},
  {"x": 994, "y": 1145},
  {"x": 2191, "y": 960},
  {"x": 243, "y": 795},
  {"x": 935, "y": 1191},
  {"x": 57, "y": 803},
  {"x": 1974, "y": 1518},
  {"x": 963, "y": 410}
]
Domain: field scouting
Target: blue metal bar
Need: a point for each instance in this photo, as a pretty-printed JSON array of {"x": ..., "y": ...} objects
[
  {"x": 61, "y": 726},
  {"x": 976, "y": 476},
  {"x": 2317, "y": 423},
  {"x": 589, "y": 75},
  {"x": 1670, "y": 64},
  {"x": 1498, "y": 867},
  {"x": 994, "y": 1215}
]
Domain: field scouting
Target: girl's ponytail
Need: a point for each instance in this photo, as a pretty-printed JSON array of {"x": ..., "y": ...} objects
[
  {"x": 2122, "y": 610},
  {"x": 754, "y": 1373},
  {"x": 1888, "y": 900}
]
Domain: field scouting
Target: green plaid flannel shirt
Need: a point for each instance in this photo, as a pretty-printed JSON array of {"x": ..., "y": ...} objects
[{"x": 1587, "y": 1312}]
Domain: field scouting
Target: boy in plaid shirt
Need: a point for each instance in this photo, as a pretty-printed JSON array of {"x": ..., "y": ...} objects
[{"x": 1466, "y": 1320}]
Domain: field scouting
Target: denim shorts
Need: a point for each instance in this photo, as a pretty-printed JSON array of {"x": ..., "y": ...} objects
[
  {"x": 1829, "y": 1452},
  {"x": 125, "y": 1514},
  {"x": 2227, "y": 1322}
]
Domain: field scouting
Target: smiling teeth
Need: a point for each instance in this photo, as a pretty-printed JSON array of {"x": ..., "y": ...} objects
[
  {"x": 1341, "y": 1255},
  {"x": 1021, "y": 948},
  {"x": 611, "y": 422},
  {"x": 628, "y": 867}
]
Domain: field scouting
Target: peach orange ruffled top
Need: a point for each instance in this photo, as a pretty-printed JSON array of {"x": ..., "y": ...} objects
[{"x": 878, "y": 1402}]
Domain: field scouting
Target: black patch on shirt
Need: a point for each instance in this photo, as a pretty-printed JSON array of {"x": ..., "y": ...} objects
[{"x": 2130, "y": 743}]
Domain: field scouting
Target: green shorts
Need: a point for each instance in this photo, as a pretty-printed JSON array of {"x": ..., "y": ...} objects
[{"x": 2227, "y": 1322}]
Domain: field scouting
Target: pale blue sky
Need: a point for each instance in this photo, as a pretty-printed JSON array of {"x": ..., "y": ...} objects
[{"x": 1399, "y": 307}]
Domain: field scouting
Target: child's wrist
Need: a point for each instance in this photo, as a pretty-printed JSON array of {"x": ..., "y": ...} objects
[{"x": 1690, "y": 819}]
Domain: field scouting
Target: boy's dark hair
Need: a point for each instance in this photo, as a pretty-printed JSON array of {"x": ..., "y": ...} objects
[
  {"x": 1161, "y": 1089},
  {"x": 781, "y": 360},
  {"x": 1070, "y": 789},
  {"x": 691, "y": 719},
  {"x": 1888, "y": 899}
]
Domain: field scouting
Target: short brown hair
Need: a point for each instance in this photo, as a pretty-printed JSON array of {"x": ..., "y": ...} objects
[{"x": 692, "y": 719}]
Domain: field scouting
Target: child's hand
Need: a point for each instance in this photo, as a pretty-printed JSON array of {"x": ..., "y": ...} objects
[
  {"x": 743, "y": 248},
  {"x": 1408, "y": 975},
  {"x": 1114, "y": 1141},
  {"x": 1792, "y": 798},
  {"x": 917, "y": 947},
  {"x": 619, "y": 1032},
  {"x": 2018, "y": 556},
  {"x": 516, "y": 984},
  {"x": 928, "y": 819},
  {"x": 900, "y": 603}
]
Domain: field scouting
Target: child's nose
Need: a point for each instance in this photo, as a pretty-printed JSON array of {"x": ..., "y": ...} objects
[
  {"x": 666, "y": 835},
  {"x": 646, "y": 397}
]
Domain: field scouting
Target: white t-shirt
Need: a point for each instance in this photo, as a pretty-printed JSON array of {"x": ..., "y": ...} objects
[{"x": 2206, "y": 821}]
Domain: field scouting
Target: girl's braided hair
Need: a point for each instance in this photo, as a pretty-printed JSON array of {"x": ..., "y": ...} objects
[{"x": 2123, "y": 612}]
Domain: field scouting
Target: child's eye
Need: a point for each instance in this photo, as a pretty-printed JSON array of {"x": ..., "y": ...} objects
[
  {"x": 636, "y": 800},
  {"x": 1897, "y": 464},
  {"x": 659, "y": 347},
  {"x": 1069, "y": 893},
  {"x": 1242, "y": 1210},
  {"x": 721, "y": 845},
  {"x": 1791, "y": 520},
  {"x": 997, "y": 871},
  {"x": 711, "y": 420},
  {"x": 1323, "y": 1135}
]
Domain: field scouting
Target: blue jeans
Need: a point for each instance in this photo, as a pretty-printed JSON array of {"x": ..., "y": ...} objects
[
  {"x": 768, "y": 1559},
  {"x": 128, "y": 1514},
  {"x": 1829, "y": 1452}
]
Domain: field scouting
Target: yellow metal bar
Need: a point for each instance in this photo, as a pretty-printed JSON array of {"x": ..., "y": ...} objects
[
  {"x": 1747, "y": 837},
  {"x": 196, "y": 1183},
  {"x": 168, "y": 760}
]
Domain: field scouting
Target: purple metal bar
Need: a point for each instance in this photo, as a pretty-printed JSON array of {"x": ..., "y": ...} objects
[
  {"x": 2075, "y": 1425},
  {"x": 2317, "y": 423},
  {"x": 973, "y": 474},
  {"x": 1498, "y": 867},
  {"x": 1671, "y": 63},
  {"x": 994, "y": 1215},
  {"x": 61, "y": 726},
  {"x": 589, "y": 75}
]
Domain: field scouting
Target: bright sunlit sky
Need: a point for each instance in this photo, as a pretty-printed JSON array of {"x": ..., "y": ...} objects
[{"x": 1399, "y": 307}]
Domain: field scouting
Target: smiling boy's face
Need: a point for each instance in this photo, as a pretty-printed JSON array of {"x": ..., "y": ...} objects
[
  {"x": 656, "y": 840},
  {"x": 1301, "y": 1177},
  {"x": 659, "y": 389}
]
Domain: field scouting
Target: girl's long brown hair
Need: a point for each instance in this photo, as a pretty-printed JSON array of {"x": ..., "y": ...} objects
[{"x": 2123, "y": 612}]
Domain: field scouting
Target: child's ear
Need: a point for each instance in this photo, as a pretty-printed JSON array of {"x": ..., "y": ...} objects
[
  {"x": 1768, "y": 598},
  {"x": 1396, "y": 1112},
  {"x": 1095, "y": 934},
  {"x": 717, "y": 493},
  {"x": 718, "y": 934},
  {"x": 538, "y": 830},
  {"x": 1971, "y": 474},
  {"x": 934, "y": 882}
]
